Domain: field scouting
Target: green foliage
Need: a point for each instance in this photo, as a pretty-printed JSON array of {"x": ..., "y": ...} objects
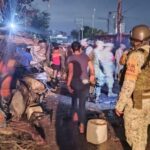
[
  {"x": 75, "y": 34},
  {"x": 35, "y": 19},
  {"x": 29, "y": 1},
  {"x": 91, "y": 32},
  {"x": 40, "y": 21},
  {"x": 88, "y": 32},
  {"x": 25, "y": 15}
]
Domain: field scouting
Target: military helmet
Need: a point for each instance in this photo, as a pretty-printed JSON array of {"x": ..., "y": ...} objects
[{"x": 140, "y": 33}]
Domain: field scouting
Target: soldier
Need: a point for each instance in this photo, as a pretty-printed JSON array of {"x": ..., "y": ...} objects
[
  {"x": 100, "y": 77},
  {"x": 88, "y": 49},
  {"x": 108, "y": 65},
  {"x": 134, "y": 97},
  {"x": 118, "y": 55}
]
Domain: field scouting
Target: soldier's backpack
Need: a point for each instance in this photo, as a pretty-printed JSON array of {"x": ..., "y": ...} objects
[{"x": 142, "y": 85}]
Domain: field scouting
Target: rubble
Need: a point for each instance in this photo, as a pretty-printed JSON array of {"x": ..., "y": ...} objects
[{"x": 62, "y": 133}]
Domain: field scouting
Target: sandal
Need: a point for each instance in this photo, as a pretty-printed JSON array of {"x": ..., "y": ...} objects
[{"x": 81, "y": 128}]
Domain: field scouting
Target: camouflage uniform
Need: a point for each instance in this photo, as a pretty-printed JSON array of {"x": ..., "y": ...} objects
[
  {"x": 100, "y": 77},
  {"x": 136, "y": 120}
]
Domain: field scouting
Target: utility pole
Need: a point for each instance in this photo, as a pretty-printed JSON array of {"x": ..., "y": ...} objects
[
  {"x": 107, "y": 21},
  {"x": 80, "y": 25},
  {"x": 93, "y": 21},
  {"x": 119, "y": 19}
]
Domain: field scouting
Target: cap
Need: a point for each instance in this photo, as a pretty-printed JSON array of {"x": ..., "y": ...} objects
[{"x": 84, "y": 42}]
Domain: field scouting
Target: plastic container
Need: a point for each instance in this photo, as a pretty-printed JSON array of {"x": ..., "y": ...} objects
[
  {"x": 96, "y": 131},
  {"x": 31, "y": 109}
]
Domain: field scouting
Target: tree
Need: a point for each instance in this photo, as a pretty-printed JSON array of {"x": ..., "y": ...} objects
[
  {"x": 1, "y": 3},
  {"x": 88, "y": 32},
  {"x": 40, "y": 21},
  {"x": 75, "y": 34},
  {"x": 22, "y": 12},
  {"x": 92, "y": 32}
]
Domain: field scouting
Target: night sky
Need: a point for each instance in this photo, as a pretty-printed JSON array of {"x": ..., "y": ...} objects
[{"x": 66, "y": 14}]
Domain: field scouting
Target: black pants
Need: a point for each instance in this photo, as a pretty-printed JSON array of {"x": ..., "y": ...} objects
[{"x": 81, "y": 94}]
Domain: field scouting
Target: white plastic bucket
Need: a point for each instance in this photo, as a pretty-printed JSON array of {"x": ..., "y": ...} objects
[
  {"x": 96, "y": 131},
  {"x": 31, "y": 109}
]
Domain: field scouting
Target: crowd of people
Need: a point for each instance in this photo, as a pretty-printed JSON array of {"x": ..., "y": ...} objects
[
  {"x": 83, "y": 66},
  {"x": 33, "y": 55}
]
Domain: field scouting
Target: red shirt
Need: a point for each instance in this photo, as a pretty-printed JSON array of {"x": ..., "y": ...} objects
[{"x": 56, "y": 58}]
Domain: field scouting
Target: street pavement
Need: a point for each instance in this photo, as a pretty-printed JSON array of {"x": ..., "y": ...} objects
[{"x": 65, "y": 133}]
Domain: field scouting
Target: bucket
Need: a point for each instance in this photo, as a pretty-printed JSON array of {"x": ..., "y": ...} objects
[
  {"x": 31, "y": 109},
  {"x": 96, "y": 131}
]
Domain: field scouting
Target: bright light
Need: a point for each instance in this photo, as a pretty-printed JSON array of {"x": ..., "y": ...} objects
[{"x": 12, "y": 26}]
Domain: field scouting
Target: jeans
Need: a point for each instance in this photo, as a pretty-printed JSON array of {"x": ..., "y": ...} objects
[{"x": 82, "y": 95}]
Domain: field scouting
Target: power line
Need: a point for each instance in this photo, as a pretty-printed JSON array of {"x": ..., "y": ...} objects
[{"x": 133, "y": 6}]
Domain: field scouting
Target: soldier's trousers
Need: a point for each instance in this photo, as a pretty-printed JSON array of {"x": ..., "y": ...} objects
[
  {"x": 108, "y": 70},
  {"x": 136, "y": 125},
  {"x": 100, "y": 80}
]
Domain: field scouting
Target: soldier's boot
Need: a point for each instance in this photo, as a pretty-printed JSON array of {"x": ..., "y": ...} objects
[
  {"x": 97, "y": 93},
  {"x": 97, "y": 99},
  {"x": 111, "y": 94}
]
